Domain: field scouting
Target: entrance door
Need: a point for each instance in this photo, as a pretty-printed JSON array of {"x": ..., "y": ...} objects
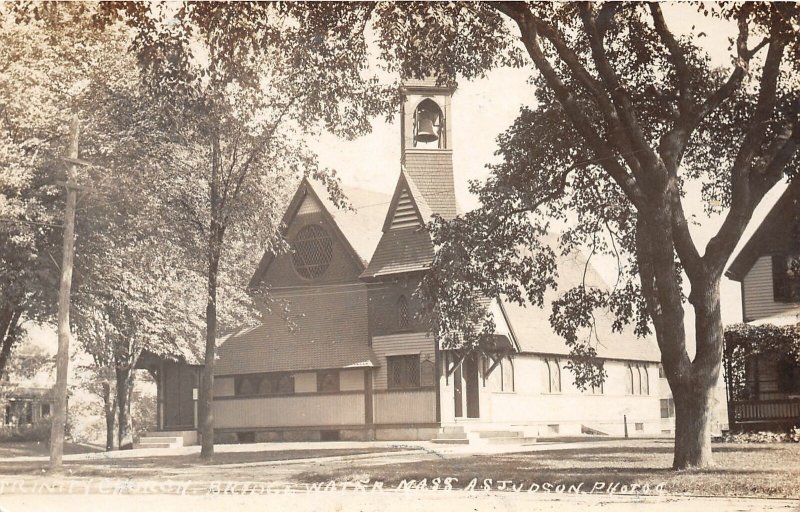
[
  {"x": 471, "y": 379},
  {"x": 179, "y": 382}
]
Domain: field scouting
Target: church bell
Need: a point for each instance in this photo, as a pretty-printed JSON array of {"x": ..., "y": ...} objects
[{"x": 426, "y": 126}]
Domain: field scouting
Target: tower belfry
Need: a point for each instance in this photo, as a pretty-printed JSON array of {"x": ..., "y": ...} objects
[{"x": 425, "y": 186}]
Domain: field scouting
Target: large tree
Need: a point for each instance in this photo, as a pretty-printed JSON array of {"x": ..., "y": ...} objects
[
  {"x": 628, "y": 116},
  {"x": 240, "y": 88}
]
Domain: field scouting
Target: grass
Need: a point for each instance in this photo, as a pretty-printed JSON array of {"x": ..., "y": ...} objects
[
  {"x": 39, "y": 449},
  {"x": 741, "y": 469},
  {"x": 155, "y": 465}
]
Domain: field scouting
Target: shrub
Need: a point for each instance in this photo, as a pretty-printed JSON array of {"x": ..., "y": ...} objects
[
  {"x": 792, "y": 436},
  {"x": 39, "y": 431}
]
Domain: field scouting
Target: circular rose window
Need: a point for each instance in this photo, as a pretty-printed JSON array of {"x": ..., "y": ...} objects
[{"x": 312, "y": 251}]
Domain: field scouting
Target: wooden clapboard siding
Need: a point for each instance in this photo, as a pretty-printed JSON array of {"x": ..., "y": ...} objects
[
  {"x": 399, "y": 344},
  {"x": 290, "y": 411},
  {"x": 758, "y": 294},
  {"x": 405, "y": 407}
]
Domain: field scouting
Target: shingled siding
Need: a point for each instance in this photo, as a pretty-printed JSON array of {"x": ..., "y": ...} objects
[
  {"x": 383, "y": 300},
  {"x": 290, "y": 411},
  {"x": 758, "y": 293},
  {"x": 432, "y": 172},
  {"x": 342, "y": 269},
  {"x": 399, "y": 344}
]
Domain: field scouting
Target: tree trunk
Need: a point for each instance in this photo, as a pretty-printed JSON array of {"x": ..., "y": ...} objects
[
  {"x": 694, "y": 396},
  {"x": 110, "y": 409},
  {"x": 124, "y": 390},
  {"x": 207, "y": 380},
  {"x": 692, "y": 428},
  {"x": 9, "y": 327}
]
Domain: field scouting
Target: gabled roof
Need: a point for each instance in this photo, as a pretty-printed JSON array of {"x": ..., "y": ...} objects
[
  {"x": 406, "y": 188},
  {"x": 776, "y": 226},
  {"x": 401, "y": 250},
  {"x": 357, "y": 227},
  {"x": 531, "y": 328},
  {"x": 326, "y": 327}
]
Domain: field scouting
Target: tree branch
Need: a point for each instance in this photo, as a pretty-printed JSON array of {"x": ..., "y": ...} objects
[
  {"x": 743, "y": 197},
  {"x": 620, "y": 97},
  {"x": 529, "y": 32},
  {"x": 682, "y": 71}
]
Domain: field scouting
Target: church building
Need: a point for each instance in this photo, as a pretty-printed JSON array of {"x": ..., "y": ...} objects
[{"x": 341, "y": 354}]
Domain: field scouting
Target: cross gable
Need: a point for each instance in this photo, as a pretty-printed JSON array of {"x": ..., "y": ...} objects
[
  {"x": 327, "y": 245},
  {"x": 407, "y": 208}
]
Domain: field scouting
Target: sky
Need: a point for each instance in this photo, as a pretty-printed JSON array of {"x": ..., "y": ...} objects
[{"x": 482, "y": 109}]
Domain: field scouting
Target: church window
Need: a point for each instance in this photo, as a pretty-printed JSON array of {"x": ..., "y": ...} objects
[
  {"x": 312, "y": 251},
  {"x": 553, "y": 376},
  {"x": 246, "y": 385},
  {"x": 403, "y": 371},
  {"x": 403, "y": 319},
  {"x": 328, "y": 381}
]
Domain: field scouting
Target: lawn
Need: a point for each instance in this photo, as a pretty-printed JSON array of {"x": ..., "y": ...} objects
[
  {"x": 158, "y": 464},
  {"x": 741, "y": 469},
  {"x": 37, "y": 449}
]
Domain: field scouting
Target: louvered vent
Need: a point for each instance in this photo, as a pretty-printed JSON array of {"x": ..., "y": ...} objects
[{"x": 405, "y": 215}]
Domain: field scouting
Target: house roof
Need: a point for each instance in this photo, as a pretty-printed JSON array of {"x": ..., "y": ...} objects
[
  {"x": 315, "y": 329},
  {"x": 775, "y": 227},
  {"x": 401, "y": 250},
  {"x": 532, "y": 330}
]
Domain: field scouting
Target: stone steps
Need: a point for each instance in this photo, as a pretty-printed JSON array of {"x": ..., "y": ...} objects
[
  {"x": 167, "y": 439},
  {"x": 457, "y": 435}
]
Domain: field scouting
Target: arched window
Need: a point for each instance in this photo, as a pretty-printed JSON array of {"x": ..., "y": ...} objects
[
  {"x": 429, "y": 125},
  {"x": 645, "y": 381},
  {"x": 629, "y": 380},
  {"x": 403, "y": 320},
  {"x": 247, "y": 386},
  {"x": 267, "y": 385},
  {"x": 637, "y": 381},
  {"x": 554, "y": 376}
]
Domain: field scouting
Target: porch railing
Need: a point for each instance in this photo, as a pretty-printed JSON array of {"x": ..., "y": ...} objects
[{"x": 756, "y": 411}]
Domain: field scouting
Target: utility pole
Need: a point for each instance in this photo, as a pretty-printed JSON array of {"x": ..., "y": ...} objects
[{"x": 62, "y": 357}]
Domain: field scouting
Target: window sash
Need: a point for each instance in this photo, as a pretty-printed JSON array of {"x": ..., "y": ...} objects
[{"x": 403, "y": 372}]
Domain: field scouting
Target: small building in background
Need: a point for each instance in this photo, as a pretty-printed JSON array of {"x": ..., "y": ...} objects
[{"x": 768, "y": 268}]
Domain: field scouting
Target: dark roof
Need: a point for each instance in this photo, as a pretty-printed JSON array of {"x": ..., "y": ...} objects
[
  {"x": 401, "y": 250},
  {"x": 531, "y": 324},
  {"x": 325, "y": 327},
  {"x": 431, "y": 170},
  {"x": 779, "y": 228}
]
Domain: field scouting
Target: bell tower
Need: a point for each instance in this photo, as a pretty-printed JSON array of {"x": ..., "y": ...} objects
[
  {"x": 425, "y": 115},
  {"x": 425, "y": 186}
]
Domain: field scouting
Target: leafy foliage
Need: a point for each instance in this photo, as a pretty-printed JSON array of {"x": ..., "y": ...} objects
[{"x": 743, "y": 342}]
